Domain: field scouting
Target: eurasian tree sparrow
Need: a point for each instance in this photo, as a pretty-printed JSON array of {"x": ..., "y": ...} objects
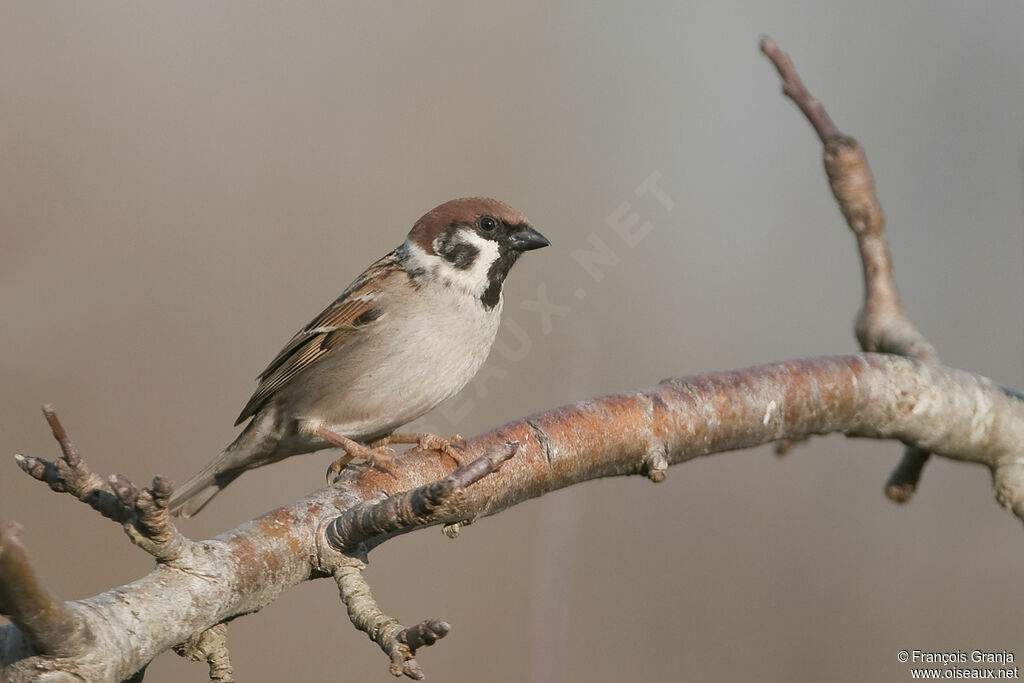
[{"x": 410, "y": 332}]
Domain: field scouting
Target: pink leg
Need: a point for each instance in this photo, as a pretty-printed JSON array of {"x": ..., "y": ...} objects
[
  {"x": 428, "y": 442},
  {"x": 378, "y": 457}
]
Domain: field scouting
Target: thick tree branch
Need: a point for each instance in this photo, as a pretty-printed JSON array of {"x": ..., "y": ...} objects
[
  {"x": 945, "y": 411},
  {"x": 882, "y": 324}
]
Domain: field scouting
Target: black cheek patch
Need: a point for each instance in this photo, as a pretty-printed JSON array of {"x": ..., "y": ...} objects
[{"x": 460, "y": 254}]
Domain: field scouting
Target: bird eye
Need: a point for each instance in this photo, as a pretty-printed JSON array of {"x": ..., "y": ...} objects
[{"x": 488, "y": 224}]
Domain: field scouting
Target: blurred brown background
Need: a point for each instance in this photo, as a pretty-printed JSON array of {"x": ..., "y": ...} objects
[{"x": 184, "y": 184}]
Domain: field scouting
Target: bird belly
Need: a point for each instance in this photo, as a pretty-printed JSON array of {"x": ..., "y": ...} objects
[{"x": 408, "y": 366}]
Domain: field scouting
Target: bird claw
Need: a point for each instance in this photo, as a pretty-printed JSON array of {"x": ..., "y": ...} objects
[
  {"x": 428, "y": 442},
  {"x": 379, "y": 457},
  {"x": 433, "y": 442},
  {"x": 382, "y": 459},
  {"x": 336, "y": 467}
]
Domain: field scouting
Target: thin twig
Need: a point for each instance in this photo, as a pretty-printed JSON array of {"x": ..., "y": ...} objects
[
  {"x": 70, "y": 474},
  {"x": 398, "y": 642},
  {"x": 210, "y": 646},
  {"x": 794, "y": 88},
  {"x": 143, "y": 513},
  {"x": 424, "y": 634},
  {"x": 882, "y": 325},
  {"x": 417, "y": 507}
]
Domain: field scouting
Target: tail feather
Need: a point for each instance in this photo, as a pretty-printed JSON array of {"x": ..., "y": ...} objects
[
  {"x": 255, "y": 446},
  {"x": 200, "y": 489}
]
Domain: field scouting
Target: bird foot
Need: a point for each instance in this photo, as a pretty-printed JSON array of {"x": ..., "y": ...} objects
[
  {"x": 429, "y": 442},
  {"x": 379, "y": 457}
]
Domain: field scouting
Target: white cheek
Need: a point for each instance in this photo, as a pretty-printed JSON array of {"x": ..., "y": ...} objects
[
  {"x": 488, "y": 255},
  {"x": 419, "y": 259}
]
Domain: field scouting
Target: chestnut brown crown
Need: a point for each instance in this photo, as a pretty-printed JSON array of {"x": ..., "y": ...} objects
[{"x": 465, "y": 211}]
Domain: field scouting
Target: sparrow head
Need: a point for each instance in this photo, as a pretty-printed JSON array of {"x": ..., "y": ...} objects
[{"x": 473, "y": 243}]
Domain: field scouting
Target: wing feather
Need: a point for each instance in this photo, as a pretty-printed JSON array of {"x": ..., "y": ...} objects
[{"x": 356, "y": 308}]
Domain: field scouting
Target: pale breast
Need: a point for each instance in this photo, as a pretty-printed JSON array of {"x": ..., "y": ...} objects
[{"x": 424, "y": 350}]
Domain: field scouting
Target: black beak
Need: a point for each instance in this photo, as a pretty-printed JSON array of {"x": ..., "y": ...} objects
[{"x": 526, "y": 239}]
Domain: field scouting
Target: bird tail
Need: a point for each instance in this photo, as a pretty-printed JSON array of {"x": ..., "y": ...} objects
[
  {"x": 193, "y": 496},
  {"x": 250, "y": 450}
]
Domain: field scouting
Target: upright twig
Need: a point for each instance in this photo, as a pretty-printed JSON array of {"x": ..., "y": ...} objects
[
  {"x": 882, "y": 325},
  {"x": 143, "y": 513},
  {"x": 794, "y": 88}
]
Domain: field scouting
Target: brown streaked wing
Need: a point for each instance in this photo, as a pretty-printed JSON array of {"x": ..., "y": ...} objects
[{"x": 330, "y": 329}]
